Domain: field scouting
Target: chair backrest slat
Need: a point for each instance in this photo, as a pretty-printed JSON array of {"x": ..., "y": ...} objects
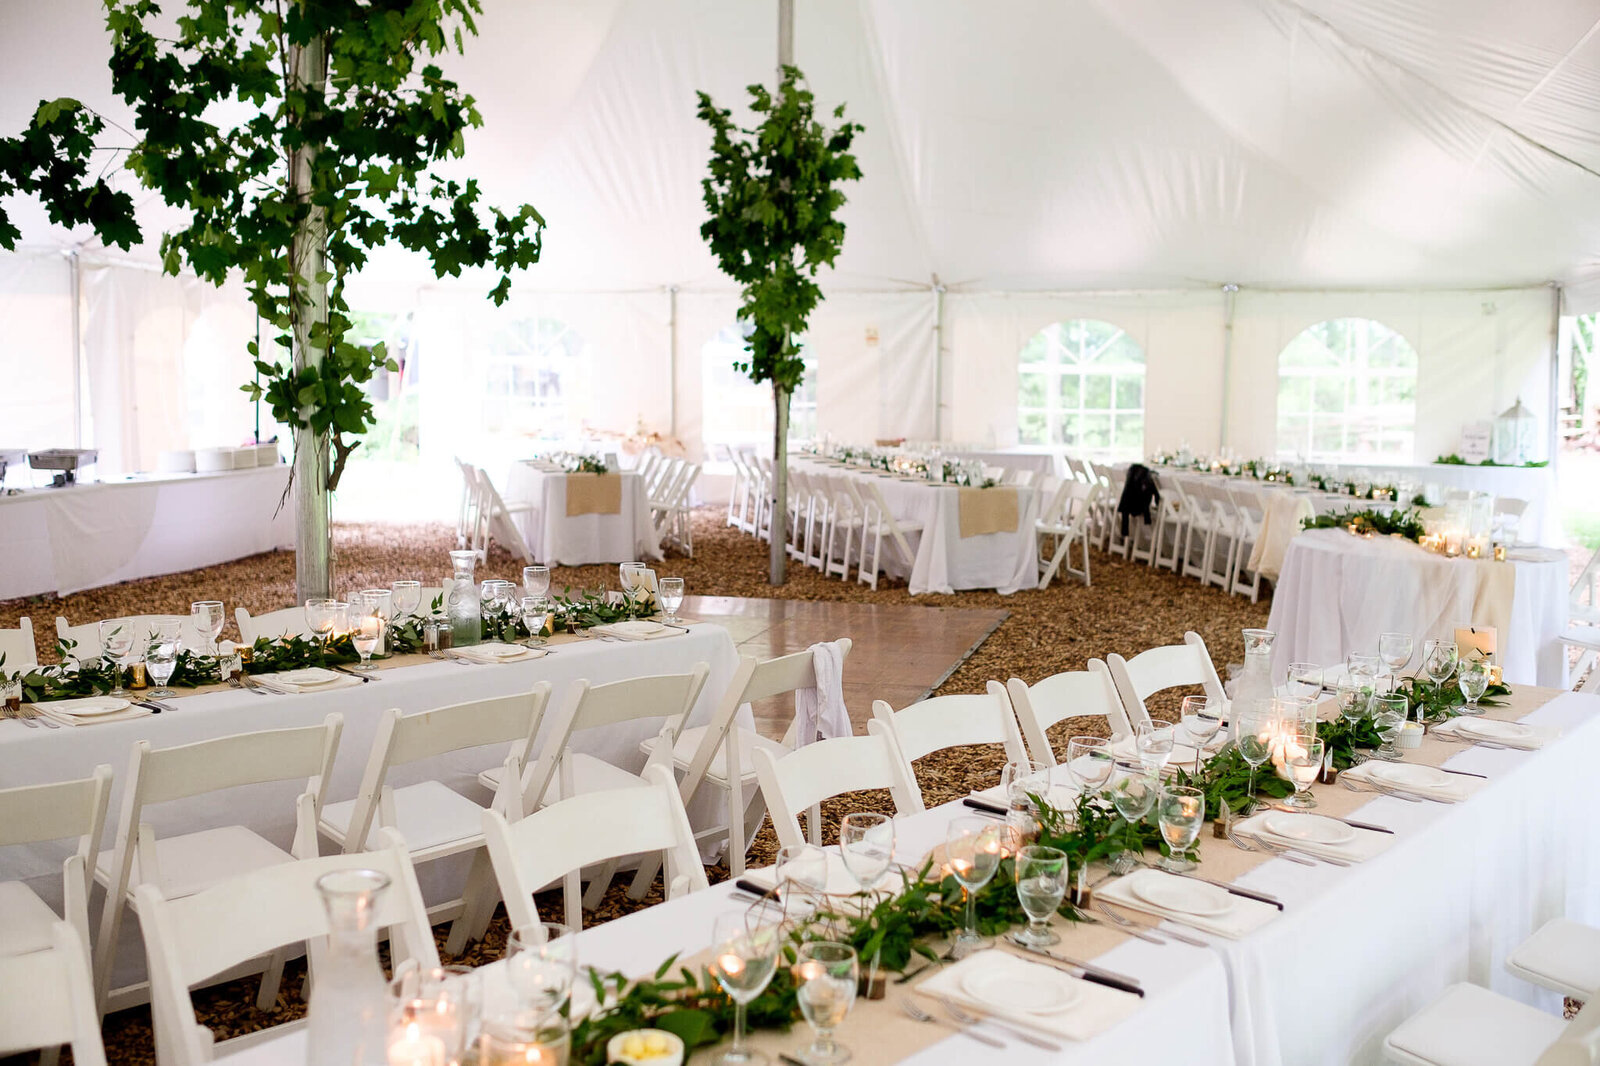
[
  {"x": 47, "y": 999},
  {"x": 829, "y": 768},
  {"x": 17, "y": 645},
  {"x": 1066, "y": 695},
  {"x": 243, "y": 759}
]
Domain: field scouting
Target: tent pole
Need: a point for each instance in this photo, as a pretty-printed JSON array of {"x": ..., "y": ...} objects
[
  {"x": 1229, "y": 293},
  {"x": 938, "y": 359},
  {"x": 785, "y": 36},
  {"x": 672, "y": 359},
  {"x": 1555, "y": 371},
  {"x": 77, "y": 349}
]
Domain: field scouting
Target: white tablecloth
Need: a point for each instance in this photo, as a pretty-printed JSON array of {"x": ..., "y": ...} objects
[
  {"x": 85, "y": 536},
  {"x": 560, "y": 540},
  {"x": 1042, "y": 463},
  {"x": 1338, "y": 592},
  {"x": 945, "y": 560},
  {"x": 35, "y": 756}
]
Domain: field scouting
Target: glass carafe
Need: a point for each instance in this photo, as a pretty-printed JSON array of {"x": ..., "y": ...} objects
[
  {"x": 348, "y": 1021},
  {"x": 1256, "y": 681},
  {"x": 462, "y": 605}
]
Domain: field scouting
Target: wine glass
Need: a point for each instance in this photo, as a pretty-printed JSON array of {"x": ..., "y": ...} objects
[
  {"x": 1133, "y": 795},
  {"x": 744, "y": 954},
  {"x": 407, "y": 598},
  {"x": 1364, "y": 669},
  {"x": 866, "y": 843},
  {"x": 542, "y": 965},
  {"x": 1302, "y": 761},
  {"x": 1021, "y": 781},
  {"x": 825, "y": 977},
  {"x": 1180, "y": 811},
  {"x": 972, "y": 847},
  {"x": 536, "y": 581},
  {"x": 670, "y": 591},
  {"x": 1473, "y": 678},
  {"x": 1439, "y": 658},
  {"x": 207, "y": 615},
  {"x": 319, "y": 617},
  {"x": 628, "y": 575},
  {"x": 1395, "y": 651},
  {"x": 368, "y": 630},
  {"x": 1041, "y": 884},
  {"x": 1201, "y": 718},
  {"x": 340, "y": 611},
  {"x": 381, "y": 603},
  {"x": 1254, "y": 735},
  {"x": 116, "y": 644},
  {"x": 803, "y": 868},
  {"x": 1154, "y": 741},
  {"x": 1089, "y": 762},
  {"x": 535, "y": 613},
  {"x": 1305, "y": 681},
  {"x": 1389, "y": 718},
  {"x": 161, "y": 657}
]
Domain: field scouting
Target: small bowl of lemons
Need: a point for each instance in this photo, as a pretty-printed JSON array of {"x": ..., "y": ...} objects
[{"x": 645, "y": 1047}]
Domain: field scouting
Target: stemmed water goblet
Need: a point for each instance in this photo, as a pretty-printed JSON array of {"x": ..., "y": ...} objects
[
  {"x": 161, "y": 657},
  {"x": 1439, "y": 659},
  {"x": 407, "y": 598},
  {"x": 381, "y": 603},
  {"x": 117, "y": 639},
  {"x": 1133, "y": 795},
  {"x": 1180, "y": 811},
  {"x": 1364, "y": 670},
  {"x": 1353, "y": 704},
  {"x": 1201, "y": 718},
  {"x": 1090, "y": 762},
  {"x": 536, "y": 581},
  {"x": 1302, "y": 761},
  {"x": 542, "y": 964},
  {"x": 628, "y": 575},
  {"x": 972, "y": 849},
  {"x": 1254, "y": 733},
  {"x": 1041, "y": 884},
  {"x": 535, "y": 613},
  {"x": 802, "y": 868},
  {"x": 1154, "y": 742},
  {"x": 1472, "y": 676},
  {"x": 866, "y": 844},
  {"x": 319, "y": 617},
  {"x": 367, "y": 632},
  {"x": 825, "y": 976},
  {"x": 207, "y": 615},
  {"x": 1305, "y": 681},
  {"x": 670, "y": 591},
  {"x": 1389, "y": 718},
  {"x": 1020, "y": 781},
  {"x": 1395, "y": 651},
  {"x": 744, "y": 955}
]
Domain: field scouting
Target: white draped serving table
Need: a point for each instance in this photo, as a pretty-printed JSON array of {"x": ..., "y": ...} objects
[
  {"x": 38, "y": 755},
  {"x": 1337, "y": 592},
  {"x": 560, "y": 539},
  {"x": 63, "y": 540},
  {"x": 945, "y": 560}
]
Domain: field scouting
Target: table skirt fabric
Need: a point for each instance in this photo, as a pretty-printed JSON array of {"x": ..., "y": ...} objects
[{"x": 558, "y": 539}]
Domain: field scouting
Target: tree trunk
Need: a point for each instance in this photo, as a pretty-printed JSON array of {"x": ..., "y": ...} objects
[
  {"x": 780, "y": 483},
  {"x": 313, "y": 570}
]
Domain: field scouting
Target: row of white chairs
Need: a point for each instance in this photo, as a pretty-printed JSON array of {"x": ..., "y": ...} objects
[
  {"x": 1204, "y": 528},
  {"x": 669, "y": 484},
  {"x": 484, "y": 516}
]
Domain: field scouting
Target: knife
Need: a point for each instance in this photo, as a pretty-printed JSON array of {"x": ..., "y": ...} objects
[
  {"x": 1235, "y": 890},
  {"x": 1082, "y": 970},
  {"x": 352, "y": 673},
  {"x": 984, "y": 805},
  {"x": 1463, "y": 773},
  {"x": 1351, "y": 822}
]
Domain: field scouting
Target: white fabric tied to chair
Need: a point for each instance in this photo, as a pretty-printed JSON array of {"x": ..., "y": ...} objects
[{"x": 821, "y": 710}]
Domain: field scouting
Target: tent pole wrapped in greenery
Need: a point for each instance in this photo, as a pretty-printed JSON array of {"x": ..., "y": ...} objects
[
  {"x": 299, "y": 135},
  {"x": 773, "y": 196}
]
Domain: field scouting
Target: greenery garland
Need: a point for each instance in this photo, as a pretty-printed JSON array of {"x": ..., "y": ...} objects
[
  {"x": 1404, "y": 523},
  {"x": 1455, "y": 460}
]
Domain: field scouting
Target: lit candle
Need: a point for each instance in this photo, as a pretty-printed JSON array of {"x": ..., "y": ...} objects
[
  {"x": 1499, "y": 553},
  {"x": 730, "y": 964},
  {"x": 1452, "y": 541},
  {"x": 1482, "y": 640},
  {"x": 416, "y": 1048}
]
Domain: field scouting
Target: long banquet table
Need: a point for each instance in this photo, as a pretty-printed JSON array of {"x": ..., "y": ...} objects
[
  {"x": 560, "y": 539},
  {"x": 1338, "y": 592},
  {"x": 412, "y": 683},
  {"x": 945, "y": 560},
  {"x": 63, "y": 540}
]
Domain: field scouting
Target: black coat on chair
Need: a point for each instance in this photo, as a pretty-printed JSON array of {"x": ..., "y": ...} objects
[{"x": 1139, "y": 494}]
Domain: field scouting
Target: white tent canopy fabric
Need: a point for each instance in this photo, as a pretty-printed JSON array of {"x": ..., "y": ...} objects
[{"x": 1432, "y": 161}]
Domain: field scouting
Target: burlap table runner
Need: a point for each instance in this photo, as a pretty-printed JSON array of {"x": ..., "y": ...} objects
[
  {"x": 1491, "y": 599},
  {"x": 594, "y": 494},
  {"x": 992, "y": 510}
]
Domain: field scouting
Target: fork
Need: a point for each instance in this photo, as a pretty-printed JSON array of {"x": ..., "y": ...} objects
[
  {"x": 1131, "y": 928},
  {"x": 1121, "y": 920},
  {"x": 17, "y": 716},
  {"x": 1382, "y": 790},
  {"x": 31, "y": 716},
  {"x": 1244, "y": 843},
  {"x": 1291, "y": 853},
  {"x": 1452, "y": 737},
  {"x": 954, "y": 1010},
  {"x": 917, "y": 1014}
]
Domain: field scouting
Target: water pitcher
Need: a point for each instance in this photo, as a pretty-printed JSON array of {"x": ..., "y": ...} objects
[
  {"x": 1256, "y": 681},
  {"x": 348, "y": 1013},
  {"x": 462, "y": 605}
]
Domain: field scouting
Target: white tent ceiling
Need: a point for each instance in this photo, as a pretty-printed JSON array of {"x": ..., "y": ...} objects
[{"x": 1029, "y": 144}]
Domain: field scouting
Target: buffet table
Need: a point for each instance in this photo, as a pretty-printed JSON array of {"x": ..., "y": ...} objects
[
  {"x": 63, "y": 540},
  {"x": 1337, "y": 592},
  {"x": 412, "y": 683},
  {"x": 945, "y": 560},
  {"x": 559, "y": 538}
]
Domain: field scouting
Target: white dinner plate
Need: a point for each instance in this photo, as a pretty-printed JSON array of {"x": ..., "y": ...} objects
[
  {"x": 1182, "y": 895},
  {"x": 636, "y": 628},
  {"x": 1309, "y": 828},
  {"x": 1410, "y": 775},
  {"x": 310, "y": 675},
  {"x": 91, "y": 706},
  {"x": 500, "y": 651},
  {"x": 1492, "y": 729},
  {"x": 1030, "y": 993}
]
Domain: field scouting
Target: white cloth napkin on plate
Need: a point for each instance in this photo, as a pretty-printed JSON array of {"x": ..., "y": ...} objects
[
  {"x": 280, "y": 683},
  {"x": 1362, "y": 846},
  {"x": 821, "y": 710},
  {"x": 1458, "y": 788},
  {"x": 495, "y": 652},
  {"x": 62, "y": 711},
  {"x": 1242, "y": 918},
  {"x": 637, "y": 629},
  {"x": 1094, "y": 1009},
  {"x": 1537, "y": 737}
]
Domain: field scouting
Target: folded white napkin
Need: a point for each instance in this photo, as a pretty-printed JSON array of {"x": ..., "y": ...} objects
[
  {"x": 1362, "y": 845},
  {"x": 1092, "y": 1010},
  {"x": 637, "y": 629},
  {"x": 1452, "y": 787},
  {"x": 1242, "y": 917},
  {"x": 840, "y": 882},
  {"x": 496, "y": 652},
  {"x": 821, "y": 710},
  {"x": 1127, "y": 750},
  {"x": 90, "y": 710},
  {"x": 1495, "y": 732},
  {"x": 309, "y": 679}
]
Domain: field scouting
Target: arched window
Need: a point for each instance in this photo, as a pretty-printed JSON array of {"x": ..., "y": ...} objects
[
  {"x": 737, "y": 411},
  {"x": 1081, "y": 384},
  {"x": 1347, "y": 390},
  {"x": 530, "y": 370}
]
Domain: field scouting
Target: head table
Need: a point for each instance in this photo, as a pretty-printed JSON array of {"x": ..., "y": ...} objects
[
  {"x": 413, "y": 683},
  {"x": 1354, "y": 952}
]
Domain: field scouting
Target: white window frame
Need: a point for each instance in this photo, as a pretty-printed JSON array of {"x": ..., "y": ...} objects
[
  {"x": 1365, "y": 420},
  {"x": 717, "y": 357},
  {"x": 1063, "y": 359}
]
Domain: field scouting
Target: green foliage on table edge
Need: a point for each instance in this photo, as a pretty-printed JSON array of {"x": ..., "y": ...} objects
[
  {"x": 1455, "y": 460},
  {"x": 1403, "y": 523}
]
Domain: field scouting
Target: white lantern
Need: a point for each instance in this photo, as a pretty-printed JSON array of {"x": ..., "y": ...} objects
[{"x": 1515, "y": 435}]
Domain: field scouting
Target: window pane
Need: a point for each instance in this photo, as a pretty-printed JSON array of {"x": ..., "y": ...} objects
[
  {"x": 1361, "y": 393},
  {"x": 1034, "y": 351},
  {"x": 1030, "y": 427},
  {"x": 1330, "y": 394},
  {"x": 1097, "y": 392},
  {"x": 1067, "y": 430},
  {"x": 1130, "y": 430},
  {"x": 1030, "y": 390},
  {"x": 1096, "y": 431},
  {"x": 1130, "y": 393},
  {"x": 1294, "y": 393},
  {"x": 1101, "y": 370},
  {"x": 1071, "y": 390}
]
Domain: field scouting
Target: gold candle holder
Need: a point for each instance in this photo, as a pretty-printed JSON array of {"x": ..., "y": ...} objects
[{"x": 1499, "y": 553}]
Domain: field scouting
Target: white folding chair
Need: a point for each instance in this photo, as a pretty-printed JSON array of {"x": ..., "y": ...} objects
[
  {"x": 199, "y": 938},
  {"x": 1249, "y": 512},
  {"x": 1171, "y": 520},
  {"x": 494, "y": 521},
  {"x": 1563, "y": 956},
  {"x": 1073, "y": 694},
  {"x": 47, "y": 1000},
  {"x": 1065, "y": 522},
  {"x": 1471, "y": 1026},
  {"x": 881, "y": 520},
  {"x": 557, "y": 842},
  {"x": 435, "y": 820},
  {"x": 289, "y": 622},
  {"x": 1155, "y": 669},
  {"x": 21, "y": 654},
  {"x": 84, "y": 640},
  {"x": 32, "y": 814},
  {"x": 847, "y": 518},
  {"x": 1221, "y": 550},
  {"x": 467, "y": 513},
  {"x": 1200, "y": 531},
  {"x": 802, "y": 779},
  {"x": 941, "y": 722},
  {"x": 185, "y": 864}
]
